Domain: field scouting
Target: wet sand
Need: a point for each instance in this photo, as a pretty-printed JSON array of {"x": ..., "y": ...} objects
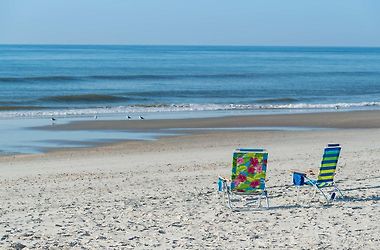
[{"x": 353, "y": 119}]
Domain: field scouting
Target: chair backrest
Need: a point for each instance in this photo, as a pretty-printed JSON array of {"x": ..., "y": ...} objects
[
  {"x": 329, "y": 163},
  {"x": 249, "y": 167}
]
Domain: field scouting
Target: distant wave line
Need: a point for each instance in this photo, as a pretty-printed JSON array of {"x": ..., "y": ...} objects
[
  {"x": 151, "y": 95},
  {"x": 93, "y": 98},
  {"x": 38, "y": 78},
  {"x": 61, "y": 78},
  {"x": 10, "y": 108}
]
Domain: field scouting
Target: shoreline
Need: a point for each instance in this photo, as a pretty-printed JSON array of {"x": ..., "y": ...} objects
[
  {"x": 342, "y": 120},
  {"x": 77, "y": 134}
]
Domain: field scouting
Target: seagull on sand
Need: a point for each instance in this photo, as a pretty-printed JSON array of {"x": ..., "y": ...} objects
[
  {"x": 95, "y": 117},
  {"x": 128, "y": 117},
  {"x": 141, "y": 118},
  {"x": 53, "y": 120}
]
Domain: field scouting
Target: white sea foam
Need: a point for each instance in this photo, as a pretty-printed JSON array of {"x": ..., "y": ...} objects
[{"x": 183, "y": 107}]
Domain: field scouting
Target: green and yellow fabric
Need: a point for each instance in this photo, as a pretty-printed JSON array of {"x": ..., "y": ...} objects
[
  {"x": 249, "y": 168},
  {"x": 328, "y": 167}
]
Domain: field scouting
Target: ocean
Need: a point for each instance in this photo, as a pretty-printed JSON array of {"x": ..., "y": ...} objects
[
  {"x": 74, "y": 83},
  {"x": 79, "y": 80}
]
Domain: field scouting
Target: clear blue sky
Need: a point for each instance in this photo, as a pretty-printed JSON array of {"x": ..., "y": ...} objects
[{"x": 219, "y": 22}]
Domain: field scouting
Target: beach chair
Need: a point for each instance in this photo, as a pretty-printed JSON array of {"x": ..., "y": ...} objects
[
  {"x": 247, "y": 184},
  {"x": 326, "y": 174}
]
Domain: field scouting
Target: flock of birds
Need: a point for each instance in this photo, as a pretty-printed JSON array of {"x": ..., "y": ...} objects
[{"x": 53, "y": 119}]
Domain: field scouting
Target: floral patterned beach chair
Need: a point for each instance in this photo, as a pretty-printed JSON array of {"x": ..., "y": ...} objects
[
  {"x": 247, "y": 184},
  {"x": 326, "y": 174}
]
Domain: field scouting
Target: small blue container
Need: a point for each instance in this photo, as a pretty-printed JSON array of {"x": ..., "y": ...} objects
[
  {"x": 298, "y": 179},
  {"x": 220, "y": 185}
]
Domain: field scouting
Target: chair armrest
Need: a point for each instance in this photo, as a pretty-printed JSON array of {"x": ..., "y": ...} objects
[
  {"x": 224, "y": 179},
  {"x": 307, "y": 178}
]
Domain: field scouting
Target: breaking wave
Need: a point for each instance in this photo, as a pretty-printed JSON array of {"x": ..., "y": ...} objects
[{"x": 147, "y": 108}]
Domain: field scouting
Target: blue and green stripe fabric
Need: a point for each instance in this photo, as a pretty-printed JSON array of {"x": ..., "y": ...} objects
[{"x": 328, "y": 166}]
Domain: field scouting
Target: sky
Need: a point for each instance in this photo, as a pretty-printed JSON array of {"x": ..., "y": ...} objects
[{"x": 191, "y": 22}]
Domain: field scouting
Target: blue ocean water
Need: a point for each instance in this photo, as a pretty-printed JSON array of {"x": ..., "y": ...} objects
[
  {"x": 41, "y": 80},
  {"x": 72, "y": 83}
]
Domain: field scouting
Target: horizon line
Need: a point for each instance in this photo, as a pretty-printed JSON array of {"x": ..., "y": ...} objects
[{"x": 188, "y": 45}]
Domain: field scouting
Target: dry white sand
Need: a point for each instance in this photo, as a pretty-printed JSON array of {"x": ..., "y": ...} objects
[{"x": 163, "y": 194}]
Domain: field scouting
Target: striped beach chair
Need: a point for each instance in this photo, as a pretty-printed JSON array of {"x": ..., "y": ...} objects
[
  {"x": 326, "y": 173},
  {"x": 247, "y": 184}
]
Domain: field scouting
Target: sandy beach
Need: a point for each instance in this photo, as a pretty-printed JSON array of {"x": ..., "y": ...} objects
[{"x": 163, "y": 193}]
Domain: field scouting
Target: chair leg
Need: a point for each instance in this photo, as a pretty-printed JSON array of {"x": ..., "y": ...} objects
[
  {"x": 340, "y": 192},
  {"x": 259, "y": 201},
  {"x": 266, "y": 198},
  {"x": 315, "y": 193},
  {"x": 265, "y": 195},
  {"x": 324, "y": 195},
  {"x": 229, "y": 203},
  {"x": 229, "y": 200}
]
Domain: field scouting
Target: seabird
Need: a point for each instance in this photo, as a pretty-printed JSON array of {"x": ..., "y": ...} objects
[
  {"x": 129, "y": 117},
  {"x": 53, "y": 120},
  {"x": 141, "y": 118},
  {"x": 95, "y": 117}
]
